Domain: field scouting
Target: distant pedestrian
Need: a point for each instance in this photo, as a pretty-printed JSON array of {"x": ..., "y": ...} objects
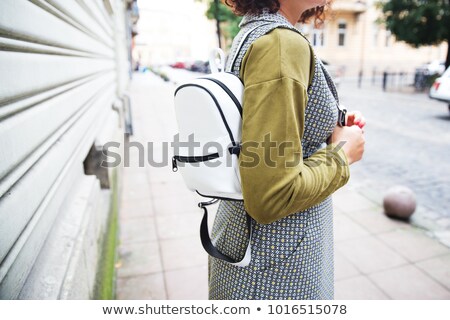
[{"x": 290, "y": 98}]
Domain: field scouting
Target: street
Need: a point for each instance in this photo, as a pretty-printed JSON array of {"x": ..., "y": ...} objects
[{"x": 407, "y": 143}]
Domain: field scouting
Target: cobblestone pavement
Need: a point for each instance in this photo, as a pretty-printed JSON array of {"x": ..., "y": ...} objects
[{"x": 407, "y": 143}]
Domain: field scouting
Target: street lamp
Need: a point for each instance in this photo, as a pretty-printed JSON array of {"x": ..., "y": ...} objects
[{"x": 216, "y": 14}]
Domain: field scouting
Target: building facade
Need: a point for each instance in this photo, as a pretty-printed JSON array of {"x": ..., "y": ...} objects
[
  {"x": 64, "y": 72},
  {"x": 354, "y": 40},
  {"x": 171, "y": 33}
]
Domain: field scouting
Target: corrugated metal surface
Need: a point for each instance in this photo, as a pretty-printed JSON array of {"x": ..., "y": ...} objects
[{"x": 62, "y": 65}]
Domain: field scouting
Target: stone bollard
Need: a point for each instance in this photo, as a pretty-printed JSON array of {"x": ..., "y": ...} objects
[{"x": 399, "y": 202}]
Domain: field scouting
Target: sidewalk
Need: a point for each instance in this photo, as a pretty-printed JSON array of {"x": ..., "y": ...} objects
[{"x": 161, "y": 257}]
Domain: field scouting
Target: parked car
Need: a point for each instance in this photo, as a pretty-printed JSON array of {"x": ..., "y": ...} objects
[
  {"x": 434, "y": 67},
  {"x": 178, "y": 65},
  {"x": 440, "y": 90},
  {"x": 427, "y": 73},
  {"x": 200, "y": 66}
]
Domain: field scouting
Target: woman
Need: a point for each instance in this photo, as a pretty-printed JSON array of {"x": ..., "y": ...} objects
[{"x": 288, "y": 172}]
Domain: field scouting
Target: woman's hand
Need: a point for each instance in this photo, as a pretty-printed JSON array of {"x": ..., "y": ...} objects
[
  {"x": 355, "y": 118},
  {"x": 353, "y": 138}
]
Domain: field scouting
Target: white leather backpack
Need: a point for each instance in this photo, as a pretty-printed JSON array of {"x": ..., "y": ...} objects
[{"x": 209, "y": 117}]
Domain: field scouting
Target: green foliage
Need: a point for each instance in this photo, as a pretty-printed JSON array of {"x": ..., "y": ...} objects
[
  {"x": 163, "y": 75},
  {"x": 229, "y": 21},
  {"x": 105, "y": 280},
  {"x": 418, "y": 22}
]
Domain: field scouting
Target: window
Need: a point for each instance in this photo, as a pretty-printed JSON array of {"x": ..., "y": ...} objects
[
  {"x": 304, "y": 28},
  {"x": 342, "y": 31},
  {"x": 376, "y": 32},
  {"x": 318, "y": 37},
  {"x": 388, "y": 38}
]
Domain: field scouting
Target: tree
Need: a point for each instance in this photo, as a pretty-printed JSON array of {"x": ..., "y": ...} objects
[
  {"x": 418, "y": 22},
  {"x": 229, "y": 22}
]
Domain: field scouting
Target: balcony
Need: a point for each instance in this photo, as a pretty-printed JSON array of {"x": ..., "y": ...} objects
[{"x": 351, "y": 6}]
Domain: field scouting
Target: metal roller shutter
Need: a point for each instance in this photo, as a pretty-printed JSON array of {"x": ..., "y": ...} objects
[{"x": 63, "y": 64}]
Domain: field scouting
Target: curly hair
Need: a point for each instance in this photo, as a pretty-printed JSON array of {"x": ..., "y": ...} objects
[{"x": 242, "y": 7}]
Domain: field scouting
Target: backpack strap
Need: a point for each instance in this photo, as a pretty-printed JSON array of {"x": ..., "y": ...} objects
[
  {"x": 241, "y": 44},
  {"x": 212, "y": 250},
  {"x": 249, "y": 35}
]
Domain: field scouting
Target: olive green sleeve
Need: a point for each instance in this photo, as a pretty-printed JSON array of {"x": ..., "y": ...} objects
[{"x": 276, "y": 180}]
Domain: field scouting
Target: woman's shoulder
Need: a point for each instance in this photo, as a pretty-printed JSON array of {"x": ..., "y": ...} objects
[
  {"x": 283, "y": 37},
  {"x": 281, "y": 53}
]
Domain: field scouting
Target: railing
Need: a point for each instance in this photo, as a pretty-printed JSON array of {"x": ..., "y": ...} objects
[{"x": 418, "y": 81}]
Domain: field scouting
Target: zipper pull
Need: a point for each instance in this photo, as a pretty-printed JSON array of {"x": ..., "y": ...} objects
[{"x": 174, "y": 164}]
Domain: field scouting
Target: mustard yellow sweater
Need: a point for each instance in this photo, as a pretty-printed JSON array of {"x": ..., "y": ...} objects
[{"x": 276, "y": 180}]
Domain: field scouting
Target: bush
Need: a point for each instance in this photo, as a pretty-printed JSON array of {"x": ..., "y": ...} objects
[{"x": 160, "y": 74}]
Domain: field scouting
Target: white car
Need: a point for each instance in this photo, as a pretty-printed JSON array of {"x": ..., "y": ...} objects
[
  {"x": 440, "y": 90},
  {"x": 434, "y": 67}
]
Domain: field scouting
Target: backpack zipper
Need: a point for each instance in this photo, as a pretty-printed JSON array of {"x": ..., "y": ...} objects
[{"x": 192, "y": 159}]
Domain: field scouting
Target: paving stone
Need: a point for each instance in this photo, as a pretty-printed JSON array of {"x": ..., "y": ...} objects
[
  {"x": 349, "y": 200},
  {"x": 137, "y": 230},
  {"x": 144, "y": 287},
  {"x": 369, "y": 254},
  {"x": 136, "y": 160},
  {"x": 172, "y": 189},
  {"x": 180, "y": 205},
  {"x": 136, "y": 192},
  {"x": 132, "y": 209},
  {"x": 187, "y": 284},
  {"x": 164, "y": 174},
  {"x": 131, "y": 178},
  {"x": 337, "y": 211},
  {"x": 408, "y": 282},
  {"x": 366, "y": 188},
  {"x": 178, "y": 225},
  {"x": 357, "y": 288},
  {"x": 135, "y": 169},
  {"x": 443, "y": 223},
  {"x": 139, "y": 259},
  {"x": 345, "y": 228},
  {"x": 443, "y": 237},
  {"x": 343, "y": 268},
  {"x": 183, "y": 253},
  {"x": 375, "y": 221},
  {"x": 413, "y": 244},
  {"x": 438, "y": 268},
  {"x": 426, "y": 219}
]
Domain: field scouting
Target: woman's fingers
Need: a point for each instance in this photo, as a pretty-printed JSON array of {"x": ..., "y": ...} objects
[
  {"x": 356, "y": 118},
  {"x": 362, "y": 123}
]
